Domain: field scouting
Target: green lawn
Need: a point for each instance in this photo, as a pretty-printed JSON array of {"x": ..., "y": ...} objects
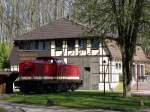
[{"x": 83, "y": 99}]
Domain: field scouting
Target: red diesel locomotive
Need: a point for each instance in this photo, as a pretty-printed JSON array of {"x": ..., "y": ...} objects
[{"x": 47, "y": 74}]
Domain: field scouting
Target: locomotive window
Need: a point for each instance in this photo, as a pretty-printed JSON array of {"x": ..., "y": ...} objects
[
  {"x": 58, "y": 44},
  {"x": 71, "y": 44}
]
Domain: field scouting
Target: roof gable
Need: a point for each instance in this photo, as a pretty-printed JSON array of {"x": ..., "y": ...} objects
[
  {"x": 116, "y": 53},
  {"x": 61, "y": 28}
]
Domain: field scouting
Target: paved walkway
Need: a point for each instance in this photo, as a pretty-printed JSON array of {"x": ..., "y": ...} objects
[
  {"x": 13, "y": 107},
  {"x": 141, "y": 93},
  {"x": 141, "y": 89},
  {"x": 141, "y": 86}
]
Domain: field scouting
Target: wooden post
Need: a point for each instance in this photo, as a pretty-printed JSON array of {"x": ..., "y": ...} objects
[
  {"x": 104, "y": 76},
  {"x": 104, "y": 79}
]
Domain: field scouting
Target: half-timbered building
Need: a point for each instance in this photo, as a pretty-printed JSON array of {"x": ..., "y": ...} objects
[{"x": 99, "y": 59}]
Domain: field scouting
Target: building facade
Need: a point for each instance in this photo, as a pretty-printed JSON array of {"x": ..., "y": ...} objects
[{"x": 99, "y": 59}]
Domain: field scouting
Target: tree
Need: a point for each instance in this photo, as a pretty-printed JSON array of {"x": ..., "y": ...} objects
[
  {"x": 4, "y": 54},
  {"x": 20, "y": 16},
  {"x": 124, "y": 18}
]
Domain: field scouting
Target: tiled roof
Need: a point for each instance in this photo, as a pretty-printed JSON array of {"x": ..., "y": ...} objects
[
  {"x": 140, "y": 55},
  {"x": 116, "y": 53},
  {"x": 113, "y": 49},
  {"x": 62, "y": 28}
]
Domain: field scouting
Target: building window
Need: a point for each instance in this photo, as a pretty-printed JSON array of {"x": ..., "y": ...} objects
[
  {"x": 58, "y": 44},
  {"x": 71, "y": 44},
  {"x": 26, "y": 45},
  {"x": 82, "y": 44},
  {"x": 47, "y": 45},
  {"x": 120, "y": 66},
  {"x": 20, "y": 45},
  {"x": 36, "y": 45},
  {"x": 142, "y": 70},
  {"x": 116, "y": 65},
  {"x": 41, "y": 45},
  {"x": 95, "y": 44}
]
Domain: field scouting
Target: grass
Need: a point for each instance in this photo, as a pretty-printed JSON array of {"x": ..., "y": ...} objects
[
  {"x": 83, "y": 99},
  {"x": 2, "y": 109}
]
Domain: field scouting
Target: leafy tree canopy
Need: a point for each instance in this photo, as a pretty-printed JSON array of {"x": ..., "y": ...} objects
[
  {"x": 127, "y": 19},
  {"x": 4, "y": 54}
]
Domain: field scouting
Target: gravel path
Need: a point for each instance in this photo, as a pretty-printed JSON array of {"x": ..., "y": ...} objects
[{"x": 13, "y": 107}]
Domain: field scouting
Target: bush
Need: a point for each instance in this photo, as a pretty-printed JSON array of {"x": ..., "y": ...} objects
[{"x": 4, "y": 54}]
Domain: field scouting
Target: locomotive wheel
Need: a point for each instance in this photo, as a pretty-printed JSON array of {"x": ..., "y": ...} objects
[
  {"x": 74, "y": 87},
  {"x": 23, "y": 90}
]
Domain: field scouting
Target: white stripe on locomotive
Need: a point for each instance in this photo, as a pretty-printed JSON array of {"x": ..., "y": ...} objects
[{"x": 62, "y": 77}]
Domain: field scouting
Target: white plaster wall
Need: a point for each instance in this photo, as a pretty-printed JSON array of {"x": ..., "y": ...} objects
[
  {"x": 76, "y": 47},
  {"x": 59, "y": 53},
  {"x": 116, "y": 71},
  {"x": 52, "y": 48},
  {"x": 82, "y": 52},
  {"x": 64, "y": 48},
  {"x": 71, "y": 53},
  {"x": 76, "y": 51},
  {"x": 106, "y": 78},
  {"x": 101, "y": 62},
  {"x": 108, "y": 86},
  {"x": 89, "y": 47},
  {"x": 65, "y": 60},
  {"x": 14, "y": 68}
]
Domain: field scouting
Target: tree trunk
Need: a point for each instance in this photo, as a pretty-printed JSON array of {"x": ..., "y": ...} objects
[{"x": 127, "y": 60}]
